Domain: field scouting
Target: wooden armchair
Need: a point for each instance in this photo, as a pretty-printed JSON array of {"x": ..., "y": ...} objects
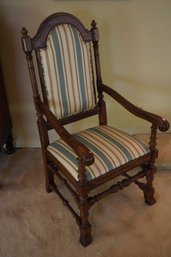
[{"x": 68, "y": 64}]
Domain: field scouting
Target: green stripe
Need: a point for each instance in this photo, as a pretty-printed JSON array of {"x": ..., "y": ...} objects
[
  {"x": 138, "y": 142},
  {"x": 68, "y": 154},
  {"x": 80, "y": 67},
  {"x": 96, "y": 150},
  {"x": 59, "y": 63},
  {"x": 115, "y": 142},
  {"x": 63, "y": 150},
  {"x": 141, "y": 144}
]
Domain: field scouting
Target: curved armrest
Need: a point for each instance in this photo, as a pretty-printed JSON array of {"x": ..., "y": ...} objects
[
  {"x": 81, "y": 150},
  {"x": 161, "y": 123}
]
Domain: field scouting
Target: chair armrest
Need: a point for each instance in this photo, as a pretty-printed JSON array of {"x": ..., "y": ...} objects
[
  {"x": 81, "y": 150},
  {"x": 161, "y": 123}
]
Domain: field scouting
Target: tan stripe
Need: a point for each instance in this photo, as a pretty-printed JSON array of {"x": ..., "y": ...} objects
[
  {"x": 94, "y": 142},
  {"x": 84, "y": 58},
  {"x": 87, "y": 74},
  {"x": 70, "y": 68},
  {"x": 113, "y": 148},
  {"x": 75, "y": 71},
  {"x": 56, "y": 81},
  {"x": 109, "y": 149},
  {"x": 132, "y": 141},
  {"x": 50, "y": 84},
  {"x": 64, "y": 161},
  {"x": 93, "y": 169},
  {"x": 90, "y": 70},
  {"x": 125, "y": 141},
  {"x": 93, "y": 75},
  {"x": 62, "y": 42}
]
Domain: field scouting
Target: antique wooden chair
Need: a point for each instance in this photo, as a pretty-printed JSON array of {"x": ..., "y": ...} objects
[{"x": 70, "y": 79}]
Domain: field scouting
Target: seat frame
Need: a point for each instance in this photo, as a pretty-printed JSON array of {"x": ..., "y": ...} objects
[{"x": 46, "y": 121}]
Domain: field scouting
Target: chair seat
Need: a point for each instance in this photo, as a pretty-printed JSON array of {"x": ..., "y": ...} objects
[{"x": 111, "y": 148}]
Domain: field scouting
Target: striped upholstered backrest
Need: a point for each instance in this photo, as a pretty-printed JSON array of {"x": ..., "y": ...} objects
[{"x": 67, "y": 70}]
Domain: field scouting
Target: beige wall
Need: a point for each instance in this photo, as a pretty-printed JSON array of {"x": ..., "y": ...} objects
[{"x": 135, "y": 57}]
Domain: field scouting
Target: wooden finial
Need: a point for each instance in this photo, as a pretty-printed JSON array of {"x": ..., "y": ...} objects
[
  {"x": 93, "y": 24},
  {"x": 94, "y": 30},
  {"x": 24, "y": 32},
  {"x": 26, "y": 41}
]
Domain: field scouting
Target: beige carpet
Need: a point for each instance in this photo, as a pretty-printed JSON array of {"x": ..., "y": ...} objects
[{"x": 36, "y": 224}]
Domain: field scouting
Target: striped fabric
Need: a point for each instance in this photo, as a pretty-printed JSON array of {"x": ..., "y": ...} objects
[
  {"x": 68, "y": 74},
  {"x": 111, "y": 148}
]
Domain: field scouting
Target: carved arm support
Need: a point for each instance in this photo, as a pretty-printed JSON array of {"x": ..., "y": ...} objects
[
  {"x": 81, "y": 150},
  {"x": 161, "y": 123}
]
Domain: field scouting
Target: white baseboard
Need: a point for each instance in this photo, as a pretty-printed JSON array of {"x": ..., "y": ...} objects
[{"x": 27, "y": 144}]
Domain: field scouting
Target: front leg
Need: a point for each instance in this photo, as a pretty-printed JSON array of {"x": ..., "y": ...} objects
[
  {"x": 149, "y": 189},
  {"x": 85, "y": 227}
]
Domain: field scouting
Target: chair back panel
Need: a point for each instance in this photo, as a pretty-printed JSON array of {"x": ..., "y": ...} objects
[{"x": 68, "y": 71}]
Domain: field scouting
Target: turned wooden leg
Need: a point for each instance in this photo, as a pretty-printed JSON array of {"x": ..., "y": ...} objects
[
  {"x": 85, "y": 227},
  {"x": 149, "y": 189},
  {"x": 9, "y": 144},
  {"x": 49, "y": 176}
]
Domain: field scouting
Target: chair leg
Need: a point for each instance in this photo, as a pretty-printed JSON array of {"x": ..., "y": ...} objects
[
  {"x": 85, "y": 227},
  {"x": 49, "y": 176},
  {"x": 149, "y": 189}
]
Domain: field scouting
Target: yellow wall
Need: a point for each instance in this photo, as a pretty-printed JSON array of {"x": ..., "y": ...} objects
[{"x": 135, "y": 56}]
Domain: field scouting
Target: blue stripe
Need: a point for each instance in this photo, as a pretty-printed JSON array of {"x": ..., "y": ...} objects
[
  {"x": 92, "y": 147},
  {"x": 64, "y": 151},
  {"x": 141, "y": 144},
  {"x": 80, "y": 68},
  {"x": 114, "y": 142},
  {"x": 60, "y": 71},
  {"x": 70, "y": 156}
]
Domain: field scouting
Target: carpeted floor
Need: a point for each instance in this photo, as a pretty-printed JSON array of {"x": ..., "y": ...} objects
[{"x": 36, "y": 224}]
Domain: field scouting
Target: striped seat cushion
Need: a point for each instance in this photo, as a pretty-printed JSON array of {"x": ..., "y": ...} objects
[
  {"x": 68, "y": 72},
  {"x": 111, "y": 148}
]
